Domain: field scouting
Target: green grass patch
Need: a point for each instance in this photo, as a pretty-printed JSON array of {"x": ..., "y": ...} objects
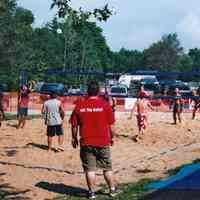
[
  {"x": 131, "y": 191},
  {"x": 9, "y": 116}
]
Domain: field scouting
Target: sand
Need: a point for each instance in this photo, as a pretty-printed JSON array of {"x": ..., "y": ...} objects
[{"x": 28, "y": 170}]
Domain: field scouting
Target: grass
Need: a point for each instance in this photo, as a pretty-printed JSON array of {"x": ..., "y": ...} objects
[
  {"x": 131, "y": 191},
  {"x": 9, "y": 116}
]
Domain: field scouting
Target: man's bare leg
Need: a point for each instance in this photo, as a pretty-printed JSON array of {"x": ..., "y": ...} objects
[
  {"x": 174, "y": 117},
  {"x": 179, "y": 117},
  {"x": 50, "y": 142},
  {"x": 91, "y": 180},
  {"x": 108, "y": 176},
  {"x": 1, "y": 118},
  {"x": 60, "y": 142},
  {"x": 194, "y": 113},
  {"x": 23, "y": 122},
  {"x": 19, "y": 122}
]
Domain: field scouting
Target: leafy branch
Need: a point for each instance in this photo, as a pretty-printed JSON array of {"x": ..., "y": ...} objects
[{"x": 80, "y": 16}]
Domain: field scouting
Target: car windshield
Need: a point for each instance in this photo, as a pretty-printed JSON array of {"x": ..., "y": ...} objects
[
  {"x": 150, "y": 87},
  {"x": 3, "y": 87},
  {"x": 118, "y": 90},
  {"x": 181, "y": 87},
  {"x": 149, "y": 80},
  {"x": 51, "y": 87}
]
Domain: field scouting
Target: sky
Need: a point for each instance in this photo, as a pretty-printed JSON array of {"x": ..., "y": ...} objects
[{"x": 135, "y": 24}]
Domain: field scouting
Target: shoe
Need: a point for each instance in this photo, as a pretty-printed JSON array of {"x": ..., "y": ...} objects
[
  {"x": 91, "y": 195},
  {"x": 114, "y": 192}
]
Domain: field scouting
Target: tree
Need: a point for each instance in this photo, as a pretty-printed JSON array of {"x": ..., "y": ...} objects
[
  {"x": 185, "y": 63},
  {"x": 7, "y": 34},
  {"x": 195, "y": 56},
  {"x": 77, "y": 22},
  {"x": 80, "y": 16},
  {"x": 164, "y": 55},
  {"x": 15, "y": 39},
  {"x": 127, "y": 60}
]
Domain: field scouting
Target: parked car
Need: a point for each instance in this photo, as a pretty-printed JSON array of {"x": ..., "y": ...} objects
[
  {"x": 3, "y": 88},
  {"x": 57, "y": 88},
  {"x": 198, "y": 90},
  {"x": 165, "y": 85},
  {"x": 118, "y": 91},
  {"x": 184, "y": 89},
  {"x": 151, "y": 87},
  {"x": 194, "y": 85}
]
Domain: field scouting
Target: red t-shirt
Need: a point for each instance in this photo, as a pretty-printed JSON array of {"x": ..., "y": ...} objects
[
  {"x": 94, "y": 116},
  {"x": 24, "y": 99}
]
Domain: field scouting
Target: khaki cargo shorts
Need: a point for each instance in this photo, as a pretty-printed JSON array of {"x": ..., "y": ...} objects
[{"x": 96, "y": 157}]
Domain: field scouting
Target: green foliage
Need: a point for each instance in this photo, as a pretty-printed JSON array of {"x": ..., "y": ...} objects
[
  {"x": 195, "y": 56},
  {"x": 80, "y": 47},
  {"x": 127, "y": 60},
  {"x": 164, "y": 54},
  {"x": 185, "y": 63},
  {"x": 79, "y": 17}
]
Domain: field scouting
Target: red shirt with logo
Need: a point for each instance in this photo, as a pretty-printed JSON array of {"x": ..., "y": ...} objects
[{"x": 94, "y": 116}]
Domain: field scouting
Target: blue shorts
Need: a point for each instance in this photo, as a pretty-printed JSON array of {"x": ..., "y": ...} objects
[{"x": 23, "y": 112}]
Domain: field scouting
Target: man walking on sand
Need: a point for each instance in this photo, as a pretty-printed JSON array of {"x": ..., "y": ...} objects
[
  {"x": 54, "y": 116},
  {"x": 95, "y": 120},
  {"x": 141, "y": 107}
]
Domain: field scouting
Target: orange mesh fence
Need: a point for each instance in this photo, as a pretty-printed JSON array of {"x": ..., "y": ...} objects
[{"x": 10, "y": 102}]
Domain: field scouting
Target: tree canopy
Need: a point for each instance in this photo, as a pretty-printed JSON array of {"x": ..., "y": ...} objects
[{"x": 77, "y": 47}]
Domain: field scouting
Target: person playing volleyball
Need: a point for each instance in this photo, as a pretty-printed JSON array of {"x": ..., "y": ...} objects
[
  {"x": 141, "y": 107},
  {"x": 177, "y": 104}
]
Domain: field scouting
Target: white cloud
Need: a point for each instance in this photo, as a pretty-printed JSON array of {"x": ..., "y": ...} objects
[
  {"x": 137, "y": 24},
  {"x": 190, "y": 27}
]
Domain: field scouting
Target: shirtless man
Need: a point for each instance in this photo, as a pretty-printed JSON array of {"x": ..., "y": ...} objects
[{"x": 141, "y": 107}]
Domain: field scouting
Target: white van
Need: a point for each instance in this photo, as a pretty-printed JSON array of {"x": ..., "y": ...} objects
[{"x": 126, "y": 79}]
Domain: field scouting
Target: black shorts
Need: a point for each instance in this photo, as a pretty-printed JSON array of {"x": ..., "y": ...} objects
[
  {"x": 56, "y": 130},
  {"x": 178, "y": 108}
]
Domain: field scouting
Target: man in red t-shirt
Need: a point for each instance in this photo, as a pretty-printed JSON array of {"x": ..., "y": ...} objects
[{"x": 95, "y": 120}]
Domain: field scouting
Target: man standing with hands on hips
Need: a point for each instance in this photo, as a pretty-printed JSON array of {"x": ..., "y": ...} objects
[{"x": 95, "y": 120}]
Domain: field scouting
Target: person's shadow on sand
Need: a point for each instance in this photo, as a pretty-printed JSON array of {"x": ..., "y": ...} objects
[
  {"x": 42, "y": 146},
  {"x": 39, "y": 146},
  {"x": 62, "y": 189},
  {"x": 12, "y": 125}
]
